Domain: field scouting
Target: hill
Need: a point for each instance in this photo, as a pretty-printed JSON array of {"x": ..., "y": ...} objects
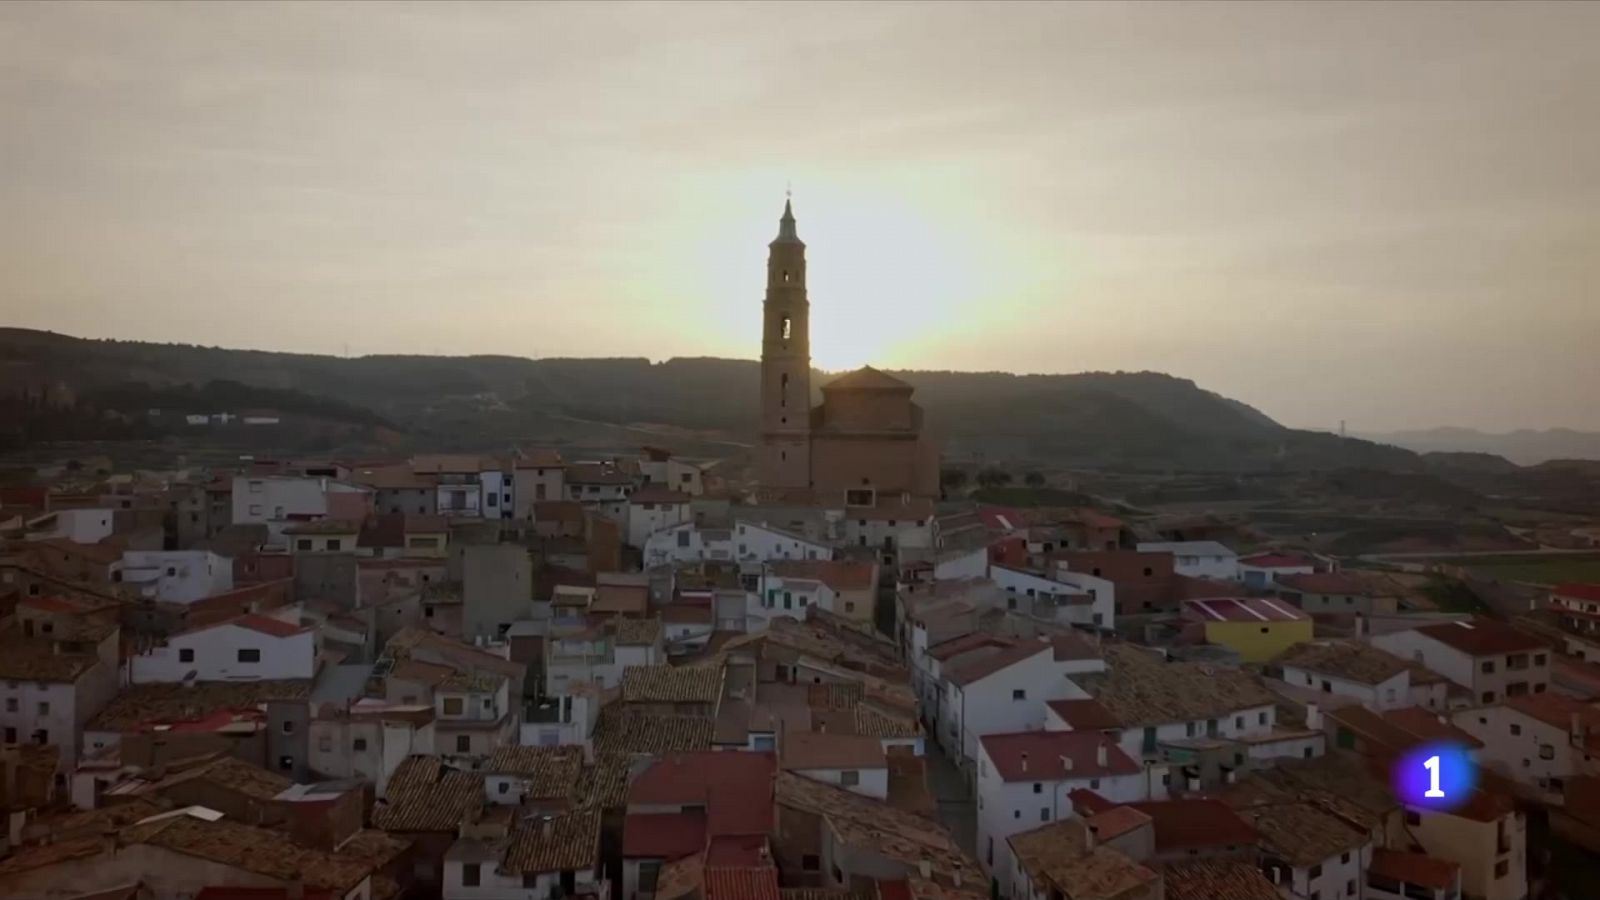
[
  {"x": 1525, "y": 447},
  {"x": 1135, "y": 420}
]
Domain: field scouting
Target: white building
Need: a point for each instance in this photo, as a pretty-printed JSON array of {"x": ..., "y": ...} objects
[
  {"x": 80, "y": 526},
  {"x": 1263, "y": 569},
  {"x": 687, "y": 543},
  {"x": 1198, "y": 559},
  {"x": 1071, "y": 598},
  {"x": 1491, "y": 659},
  {"x": 856, "y": 763},
  {"x": 1024, "y": 779},
  {"x": 1377, "y": 679},
  {"x": 995, "y": 690},
  {"x": 177, "y": 576},
  {"x": 278, "y": 500},
  {"x": 497, "y": 489},
  {"x": 494, "y": 862},
  {"x": 661, "y": 468},
  {"x": 601, "y": 488},
  {"x": 759, "y": 542},
  {"x": 250, "y": 647},
  {"x": 1539, "y": 741},
  {"x": 369, "y": 740},
  {"x": 652, "y": 509},
  {"x": 48, "y": 692}
]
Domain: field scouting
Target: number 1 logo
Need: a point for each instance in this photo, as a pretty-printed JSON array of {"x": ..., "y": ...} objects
[{"x": 1432, "y": 765}]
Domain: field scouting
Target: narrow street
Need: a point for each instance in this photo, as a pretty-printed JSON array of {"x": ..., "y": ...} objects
[{"x": 957, "y": 809}]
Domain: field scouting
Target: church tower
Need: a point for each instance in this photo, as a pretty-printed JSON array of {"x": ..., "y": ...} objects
[{"x": 784, "y": 458}]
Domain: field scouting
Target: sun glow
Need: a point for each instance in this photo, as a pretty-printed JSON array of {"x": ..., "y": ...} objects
[{"x": 888, "y": 273}]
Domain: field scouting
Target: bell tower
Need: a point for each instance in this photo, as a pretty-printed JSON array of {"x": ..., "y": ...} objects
[{"x": 784, "y": 459}]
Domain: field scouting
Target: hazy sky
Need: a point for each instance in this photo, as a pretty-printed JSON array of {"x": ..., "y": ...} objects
[{"x": 1388, "y": 214}]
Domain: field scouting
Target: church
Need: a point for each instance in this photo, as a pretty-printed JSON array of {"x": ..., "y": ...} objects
[{"x": 865, "y": 444}]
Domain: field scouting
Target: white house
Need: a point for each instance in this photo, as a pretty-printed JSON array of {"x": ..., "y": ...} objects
[
  {"x": 278, "y": 500},
  {"x": 600, "y": 487},
  {"x": 1155, "y": 701},
  {"x": 1072, "y": 598},
  {"x": 994, "y": 690},
  {"x": 1198, "y": 559},
  {"x": 50, "y": 687},
  {"x": 80, "y": 526},
  {"x": 1378, "y": 679},
  {"x": 1308, "y": 851},
  {"x": 1263, "y": 569},
  {"x": 250, "y": 647},
  {"x": 497, "y": 489},
  {"x": 177, "y": 576},
  {"x": 519, "y": 863},
  {"x": 661, "y": 468},
  {"x": 759, "y": 542},
  {"x": 651, "y": 509},
  {"x": 687, "y": 543},
  {"x": 1024, "y": 779},
  {"x": 1539, "y": 741},
  {"x": 1491, "y": 659},
  {"x": 368, "y": 740},
  {"x": 856, "y": 763}
]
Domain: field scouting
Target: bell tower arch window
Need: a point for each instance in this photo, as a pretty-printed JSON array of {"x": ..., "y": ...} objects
[
  {"x": 783, "y": 389},
  {"x": 784, "y": 327}
]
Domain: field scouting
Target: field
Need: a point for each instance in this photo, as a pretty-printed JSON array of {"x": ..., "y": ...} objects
[{"x": 1539, "y": 569}]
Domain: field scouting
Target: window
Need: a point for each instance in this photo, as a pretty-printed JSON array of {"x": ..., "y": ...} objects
[
  {"x": 471, "y": 875},
  {"x": 1546, "y": 751},
  {"x": 11, "y": 735},
  {"x": 1019, "y": 694},
  {"x": 1516, "y": 729},
  {"x": 1261, "y": 719},
  {"x": 849, "y": 778},
  {"x": 463, "y": 743},
  {"x": 503, "y": 787},
  {"x": 303, "y": 544},
  {"x": 1238, "y": 722},
  {"x": 325, "y": 744},
  {"x": 1488, "y": 696},
  {"x": 1516, "y": 689},
  {"x": 1316, "y": 871},
  {"x": 249, "y": 654},
  {"x": 11, "y": 704},
  {"x": 285, "y": 763},
  {"x": 1016, "y": 814},
  {"x": 1502, "y": 868},
  {"x": 453, "y": 706},
  {"x": 1538, "y": 659},
  {"x": 288, "y": 727},
  {"x": 1350, "y": 886},
  {"x": 683, "y": 538},
  {"x": 172, "y": 571},
  {"x": 1413, "y": 818},
  {"x": 810, "y": 862},
  {"x": 1487, "y": 667},
  {"x": 785, "y": 325},
  {"x": 1345, "y": 858},
  {"x": 333, "y": 543},
  {"x": 1044, "y": 814},
  {"x": 648, "y": 873},
  {"x": 186, "y": 654},
  {"x": 255, "y": 509},
  {"x": 359, "y": 745}
]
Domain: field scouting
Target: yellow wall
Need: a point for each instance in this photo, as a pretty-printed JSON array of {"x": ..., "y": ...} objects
[
  {"x": 1258, "y": 641},
  {"x": 1472, "y": 845}
]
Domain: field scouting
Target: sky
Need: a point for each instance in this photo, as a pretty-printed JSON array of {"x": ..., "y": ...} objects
[{"x": 1379, "y": 213}]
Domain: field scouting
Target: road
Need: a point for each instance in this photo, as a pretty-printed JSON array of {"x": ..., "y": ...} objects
[{"x": 957, "y": 809}]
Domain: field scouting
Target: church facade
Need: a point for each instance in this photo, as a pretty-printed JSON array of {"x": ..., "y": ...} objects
[{"x": 865, "y": 444}]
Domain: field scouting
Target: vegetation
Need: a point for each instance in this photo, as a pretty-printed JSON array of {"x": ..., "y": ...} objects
[
  {"x": 1453, "y": 595},
  {"x": 1536, "y": 569},
  {"x": 1030, "y": 497},
  {"x": 1033, "y": 480},
  {"x": 992, "y": 477},
  {"x": 953, "y": 479}
]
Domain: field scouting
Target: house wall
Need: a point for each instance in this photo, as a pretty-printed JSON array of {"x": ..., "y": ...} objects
[
  {"x": 496, "y": 490},
  {"x": 417, "y": 501},
  {"x": 216, "y": 657},
  {"x": 1341, "y": 875},
  {"x": 275, "y": 498},
  {"x": 21, "y": 714},
  {"x": 1476, "y": 847},
  {"x": 80, "y": 526},
  {"x": 645, "y": 519},
  {"x": 1468, "y": 671},
  {"x": 496, "y": 587},
  {"x": 1255, "y": 720},
  {"x": 1392, "y": 693},
  {"x": 1340, "y": 603},
  {"x": 1257, "y": 642},
  {"x": 532, "y": 485},
  {"x": 872, "y": 783},
  {"x": 1194, "y": 559},
  {"x": 755, "y": 543},
  {"x": 1527, "y": 750},
  {"x": 989, "y": 705},
  {"x": 182, "y": 576}
]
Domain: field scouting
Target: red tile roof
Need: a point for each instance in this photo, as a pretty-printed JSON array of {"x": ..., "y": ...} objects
[
  {"x": 1414, "y": 868},
  {"x": 1482, "y": 637},
  {"x": 736, "y": 788},
  {"x": 663, "y": 835},
  {"x": 1425, "y": 725},
  {"x": 1277, "y": 561},
  {"x": 1578, "y": 591},
  {"x": 1243, "y": 609},
  {"x": 273, "y": 627},
  {"x": 958, "y": 645},
  {"x": 1216, "y": 879},
  {"x": 1055, "y": 755},
  {"x": 1556, "y": 709},
  {"x": 840, "y": 575},
  {"x": 1196, "y": 824},
  {"x": 741, "y": 884},
  {"x": 1084, "y": 715},
  {"x": 965, "y": 672}
]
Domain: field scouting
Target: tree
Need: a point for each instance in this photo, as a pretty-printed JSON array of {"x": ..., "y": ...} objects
[
  {"x": 953, "y": 479},
  {"x": 1033, "y": 480},
  {"x": 992, "y": 478}
]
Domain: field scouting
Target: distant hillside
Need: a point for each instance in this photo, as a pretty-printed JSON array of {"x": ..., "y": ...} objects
[
  {"x": 1139, "y": 419},
  {"x": 1525, "y": 447}
]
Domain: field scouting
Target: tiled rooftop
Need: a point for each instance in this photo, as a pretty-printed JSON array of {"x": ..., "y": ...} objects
[
  {"x": 1482, "y": 637},
  {"x": 671, "y": 684},
  {"x": 423, "y": 796},
  {"x": 1216, "y": 880},
  {"x": 258, "y": 850},
  {"x": 619, "y": 731},
  {"x": 1141, "y": 689},
  {"x": 569, "y": 841},
  {"x": 1057, "y": 857},
  {"x": 1351, "y": 660},
  {"x": 552, "y": 772},
  {"x": 883, "y": 829},
  {"x": 143, "y": 704}
]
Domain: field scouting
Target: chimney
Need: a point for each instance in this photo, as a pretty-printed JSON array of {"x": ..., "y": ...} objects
[
  {"x": 1313, "y": 717},
  {"x": 1066, "y": 763},
  {"x": 1025, "y": 757},
  {"x": 1101, "y": 757},
  {"x": 925, "y": 868}
]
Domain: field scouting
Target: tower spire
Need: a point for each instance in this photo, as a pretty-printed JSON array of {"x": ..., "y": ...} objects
[{"x": 786, "y": 230}]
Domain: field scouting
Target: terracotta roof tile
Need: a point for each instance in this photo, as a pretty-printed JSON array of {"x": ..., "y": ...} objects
[
  {"x": 1195, "y": 824},
  {"x": 663, "y": 835},
  {"x": 1351, "y": 660},
  {"x": 552, "y": 772},
  {"x": 965, "y": 672},
  {"x": 670, "y": 684},
  {"x": 146, "y": 704},
  {"x": 1045, "y": 755},
  {"x": 566, "y": 842},
  {"x": 1058, "y": 856},
  {"x": 741, "y": 883},
  {"x": 1216, "y": 880},
  {"x": 1482, "y": 637},
  {"x": 811, "y": 750},
  {"x": 878, "y": 827},
  {"x": 419, "y": 800},
  {"x": 840, "y": 575},
  {"x": 736, "y": 788},
  {"x": 1141, "y": 689},
  {"x": 1414, "y": 868},
  {"x": 259, "y": 850},
  {"x": 619, "y": 731},
  {"x": 1084, "y": 715}
]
